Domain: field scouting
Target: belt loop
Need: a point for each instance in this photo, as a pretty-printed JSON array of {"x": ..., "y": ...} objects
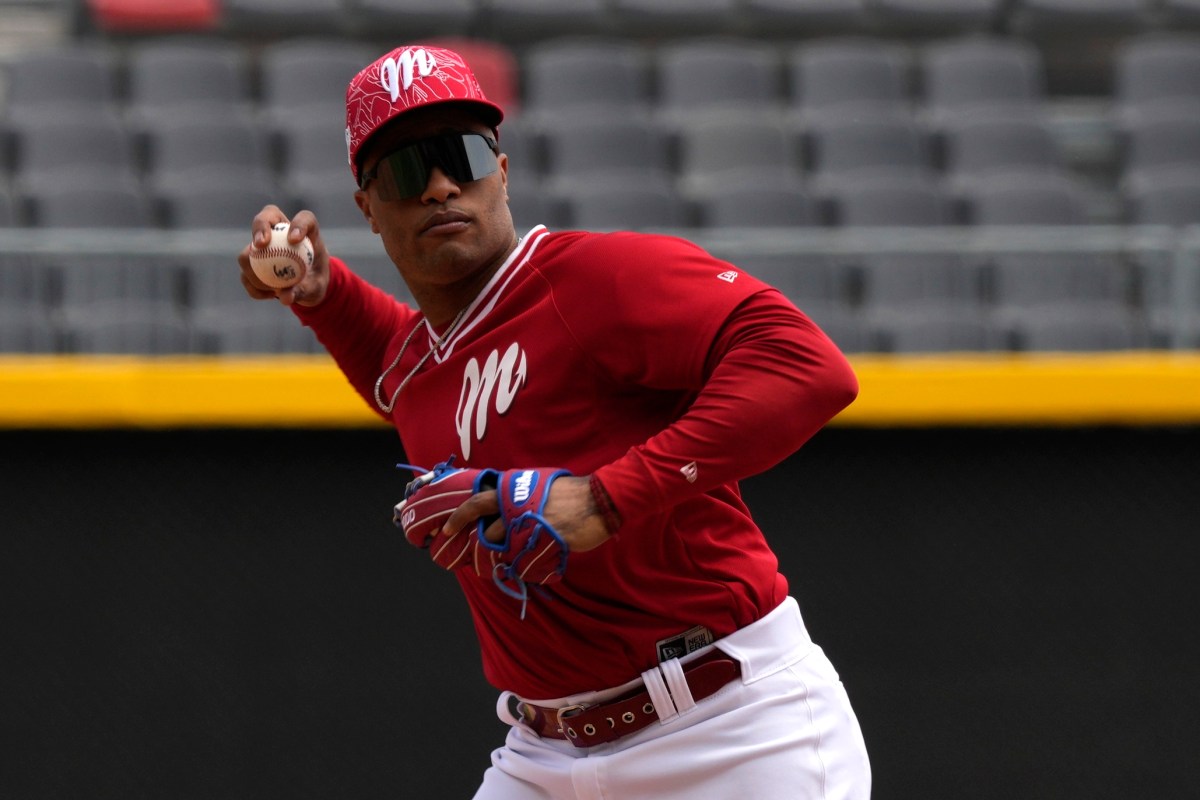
[
  {"x": 677, "y": 684},
  {"x": 660, "y": 695}
]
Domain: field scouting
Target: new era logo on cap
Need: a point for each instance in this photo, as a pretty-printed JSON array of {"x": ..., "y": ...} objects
[{"x": 406, "y": 78}]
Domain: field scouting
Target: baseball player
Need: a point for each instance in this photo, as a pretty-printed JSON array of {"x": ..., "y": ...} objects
[{"x": 578, "y": 409}]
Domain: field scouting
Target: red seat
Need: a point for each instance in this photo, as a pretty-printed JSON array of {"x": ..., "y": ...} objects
[{"x": 132, "y": 16}]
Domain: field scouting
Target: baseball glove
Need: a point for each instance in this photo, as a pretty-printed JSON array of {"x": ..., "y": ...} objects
[{"x": 531, "y": 552}]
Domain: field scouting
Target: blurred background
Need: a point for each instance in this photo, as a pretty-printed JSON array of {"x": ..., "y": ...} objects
[{"x": 990, "y": 205}]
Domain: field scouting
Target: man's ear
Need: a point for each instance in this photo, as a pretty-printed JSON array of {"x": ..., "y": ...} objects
[{"x": 364, "y": 205}]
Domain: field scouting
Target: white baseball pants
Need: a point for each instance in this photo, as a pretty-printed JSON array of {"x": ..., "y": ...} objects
[{"x": 784, "y": 730}]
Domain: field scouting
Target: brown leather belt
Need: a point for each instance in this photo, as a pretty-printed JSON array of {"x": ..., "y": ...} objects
[{"x": 587, "y": 726}]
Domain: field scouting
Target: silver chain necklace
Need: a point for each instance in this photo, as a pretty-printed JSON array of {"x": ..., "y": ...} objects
[{"x": 387, "y": 408}]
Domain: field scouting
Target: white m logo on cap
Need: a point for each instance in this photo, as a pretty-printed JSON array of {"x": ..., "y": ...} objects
[{"x": 398, "y": 76}]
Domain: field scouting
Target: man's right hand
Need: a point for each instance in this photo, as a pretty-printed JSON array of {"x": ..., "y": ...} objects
[{"x": 311, "y": 290}]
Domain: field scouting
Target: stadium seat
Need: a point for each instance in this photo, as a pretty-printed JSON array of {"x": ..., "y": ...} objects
[
  {"x": 699, "y": 74},
  {"x": 76, "y": 78},
  {"x": 976, "y": 148},
  {"x": 621, "y": 205},
  {"x": 966, "y": 75},
  {"x": 523, "y": 143},
  {"x": 1025, "y": 197},
  {"x": 530, "y": 21},
  {"x": 1076, "y": 330},
  {"x": 937, "y": 16},
  {"x": 223, "y": 198},
  {"x": 293, "y": 18},
  {"x": 933, "y": 330},
  {"x": 808, "y": 281},
  {"x": 1180, "y": 12},
  {"x": 315, "y": 173},
  {"x": 842, "y": 146},
  {"x": 769, "y": 18},
  {"x": 412, "y": 20},
  {"x": 565, "y": 75},
  {"x": 191, "y": 76},
  {"x": 1041, "y": 17},
  {"x": 184, "y": 152},
  {"x": 60, "y": 147},
  {"x": 249, "y": 328},
  {"x": 767, "y": 201},
  {"x": 1171, "y": 199},
  {"x": 531, "y": 205},
  {"x": 1020, "y": 281},
  {"x": 890, "y": 200},
  {"x": 305, "y": 77},
  {"x": 127, "y": 331},
  {"x": 9, "y": 218},
  {"x": 937, "y": 282},
  {"x": 581, "y": 147},
  {"x": 28, "y": 331},
  {"x": 1159, "y": 144},
  {"x": 103, "y": 203},
  {"x": 724, "y": 145},
  {"x": 842, "y": 75},
  {"x": 676, "y": 17},
  {"x": 845, "y": 326},
  {"x": 1154, "y": 73}
]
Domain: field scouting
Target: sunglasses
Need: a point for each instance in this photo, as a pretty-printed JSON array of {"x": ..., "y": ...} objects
[{"x": 404, "y": 173}]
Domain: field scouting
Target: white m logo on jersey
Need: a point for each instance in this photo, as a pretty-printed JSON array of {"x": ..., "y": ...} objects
[
  {"x": 398, "y": 76},
  {"x": 500, "y": 375}
]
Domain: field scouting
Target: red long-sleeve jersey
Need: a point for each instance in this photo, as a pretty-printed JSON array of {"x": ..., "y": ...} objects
[{"x": 642, "y": 359}]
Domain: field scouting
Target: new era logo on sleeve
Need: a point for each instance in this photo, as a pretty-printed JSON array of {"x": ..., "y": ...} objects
[{"x": 729, "y": 276}]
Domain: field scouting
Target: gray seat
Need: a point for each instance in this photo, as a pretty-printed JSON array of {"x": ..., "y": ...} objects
[
  {"x": 1180, "y": 12},
  {"x": 1171, "y": 199},
  {"x": 184, "y": 153},
  {"x": 1028, "y": 198},
  {"x": 75, "y": 78},
  {"x": 933, "y": 330},
  {"x": 979, "y": 147},
  {"x": 27, "y": 330},
  {"x": 530, "y": 205},
  {"x": 1161, "y": 143},
  {"x": 59, "y": 148},
  {"x": 1038, "y": 17},
  {"x": 843, "y": 146},
  {"x": 676, "y": 17},
  {"x": 848, "y": 74},
  {"x": 191, "y": 76},
  {"x": 127, "y": 331},
  {"x": 1156, "y": 71},
  {"x": 250, "y": 328},
  {"x": 305, "y": 78},
  {"x": 1077, "y": 330},
  {"x": 293, "y": 18},
  {"x": 845, "y": 326},
  {"x": 699, "y": 74},
  {"x": 965, "y": 75},
  {"x": 9, "y": 217},
  {"x": 890, "y": 200},
  {"x": 224, "y": 198},
  {"x": 809, "y": 281},
  {"x": 565, "y": 75},
  {"x": 101, "y": 204},
  {"x": 723, "y": 145},
  {"x": 315, "y": 173},
  {"x": 412, "y": 19},
  {"x": 537, "y": 20},
  {"x": 938, "y": 16},
  {"x": 581, "y": 146},
  {"x": 751, "y": 202},
  {"x": 806, "y": 17},
  {"x": 1020, "y": 281},
  {"x": 607, "y": 205}
]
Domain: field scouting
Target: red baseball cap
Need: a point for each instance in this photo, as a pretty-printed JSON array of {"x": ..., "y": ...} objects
[{"x": 409, "y": 77}]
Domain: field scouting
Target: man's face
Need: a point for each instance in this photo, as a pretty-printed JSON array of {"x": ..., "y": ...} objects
[{"x": 454, "y": 230}]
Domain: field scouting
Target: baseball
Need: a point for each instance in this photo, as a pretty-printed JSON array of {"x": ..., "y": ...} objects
[{"x": 282, "y": 264}]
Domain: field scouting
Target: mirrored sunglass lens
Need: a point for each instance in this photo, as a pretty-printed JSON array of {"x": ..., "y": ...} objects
[
  {"x": 403, "y": 173},
  {"x": 464, "y": 157}
]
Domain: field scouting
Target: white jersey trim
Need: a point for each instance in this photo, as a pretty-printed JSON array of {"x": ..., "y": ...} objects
[{"x": 483, "y": 303}]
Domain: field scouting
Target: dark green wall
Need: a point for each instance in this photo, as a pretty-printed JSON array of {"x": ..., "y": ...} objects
[{"x": 230, "y": 614}]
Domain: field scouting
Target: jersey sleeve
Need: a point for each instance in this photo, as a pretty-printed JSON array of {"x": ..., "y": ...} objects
[
  {"x": 355, "y": 323},
  {"x": 763, "y": 377}
]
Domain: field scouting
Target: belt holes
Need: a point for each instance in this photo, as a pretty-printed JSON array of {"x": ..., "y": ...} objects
[
  {"x": 628, "y": 717},
  {"x": 571, "y": 732},
  {"x": 648, "y": 708},
  {"x": 612, "y": 723},
  {"x": 589, "y": 729}
]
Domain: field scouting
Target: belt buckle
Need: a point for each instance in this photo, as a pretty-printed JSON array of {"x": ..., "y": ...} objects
[{"x": 566, "y": 712}]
